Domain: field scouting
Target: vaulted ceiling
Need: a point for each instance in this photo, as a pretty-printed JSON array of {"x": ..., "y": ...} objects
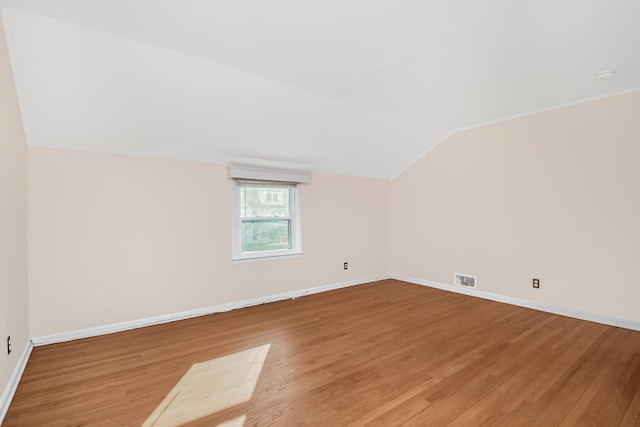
[{"x": 351, "y": 87}]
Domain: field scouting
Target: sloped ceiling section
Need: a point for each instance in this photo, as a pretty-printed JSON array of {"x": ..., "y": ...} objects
[{"x": 351, "y": 87}]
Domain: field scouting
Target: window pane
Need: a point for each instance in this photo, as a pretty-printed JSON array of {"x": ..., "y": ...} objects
[
  {"x": 266, "y": 235},
  {"x": 261, "y": 202}
]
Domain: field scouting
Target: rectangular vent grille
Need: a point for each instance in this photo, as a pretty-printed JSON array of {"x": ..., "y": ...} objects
[{"x": 465, "y": 280}]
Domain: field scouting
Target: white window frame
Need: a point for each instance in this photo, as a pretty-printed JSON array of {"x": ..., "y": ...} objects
[{"x": 296, "y": 226}]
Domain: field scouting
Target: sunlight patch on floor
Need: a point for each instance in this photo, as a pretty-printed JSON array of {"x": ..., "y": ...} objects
[
  {"x": 236, "y": 422},
  {"x": 210, "y": 387}
]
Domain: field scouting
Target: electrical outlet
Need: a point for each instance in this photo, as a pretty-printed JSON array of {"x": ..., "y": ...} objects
[
  {"x": 536, "y": 283},
  {"x": 346, "y": 265},
  {"x": 9, "y": 344}
]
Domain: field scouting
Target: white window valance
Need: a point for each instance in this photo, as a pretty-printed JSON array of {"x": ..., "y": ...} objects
[{"x": 268, "y": 174}]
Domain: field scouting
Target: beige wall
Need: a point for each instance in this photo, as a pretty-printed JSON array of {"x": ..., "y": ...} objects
[
  {"x": 117, "y": 238},
  {"x": 13, "y": 221},
  {"x": 554, "y": 195}
]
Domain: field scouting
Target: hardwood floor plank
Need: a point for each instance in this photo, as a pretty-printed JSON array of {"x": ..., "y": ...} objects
[
  {"x": 385, "y": 353},
  {"x": 632, "y": 414}
]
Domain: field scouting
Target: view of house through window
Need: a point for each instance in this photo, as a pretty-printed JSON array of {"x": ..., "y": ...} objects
[{"x": 266, "y": 219}]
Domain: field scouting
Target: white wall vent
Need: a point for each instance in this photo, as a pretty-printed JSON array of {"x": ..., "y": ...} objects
[{"x": 465, "y": 280}]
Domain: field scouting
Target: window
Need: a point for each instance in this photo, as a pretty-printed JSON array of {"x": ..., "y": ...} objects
[{"x": 266, "y": 219}]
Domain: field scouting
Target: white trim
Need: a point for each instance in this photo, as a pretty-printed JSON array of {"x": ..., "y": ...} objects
[
  {"x": 578, "y": 314},
  {"x": 515, "y": 116},
  {"x": 263, "y": 174},
  {"x": 295, "y": 217},
  {"x": 14, "y": 380},
  {"x": 157, "y": 320},
  {"x": 267, "y": 258}
]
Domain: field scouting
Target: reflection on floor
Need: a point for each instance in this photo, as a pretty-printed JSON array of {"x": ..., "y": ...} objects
[{"x": 210, "y": 387}]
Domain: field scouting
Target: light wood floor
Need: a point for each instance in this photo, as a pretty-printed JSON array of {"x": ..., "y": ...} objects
[{"x": 386, "y": 353}]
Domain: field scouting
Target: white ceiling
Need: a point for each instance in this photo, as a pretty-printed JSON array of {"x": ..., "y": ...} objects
[{"x": 352, "y": 87}]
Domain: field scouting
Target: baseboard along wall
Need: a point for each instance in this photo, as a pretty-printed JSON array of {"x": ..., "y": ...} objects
[
  {"x": 12, "y": 386},
  {"x": 157, "y": 320},
  {"x": 10, "y": 389},
  {"x": 577, "y": 314},
  {"x": 14, "y": 380},
  {"x": 124, "y": 326}
]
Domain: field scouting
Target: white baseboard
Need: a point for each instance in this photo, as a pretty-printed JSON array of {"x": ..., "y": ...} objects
[
  {"x": 10, "y": 389},
  {"x": 133, "y": 324},
  {"x": 578, "y": 314},
  {"x": 14, "y": 380}
]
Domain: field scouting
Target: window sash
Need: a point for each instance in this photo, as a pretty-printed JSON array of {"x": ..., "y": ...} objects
[
  {"x": 261, "y": 242},
  {"x": 240, "y": 251}
]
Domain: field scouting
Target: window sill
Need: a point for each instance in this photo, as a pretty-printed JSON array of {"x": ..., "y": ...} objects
[{"x": 273, "y": 257}]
